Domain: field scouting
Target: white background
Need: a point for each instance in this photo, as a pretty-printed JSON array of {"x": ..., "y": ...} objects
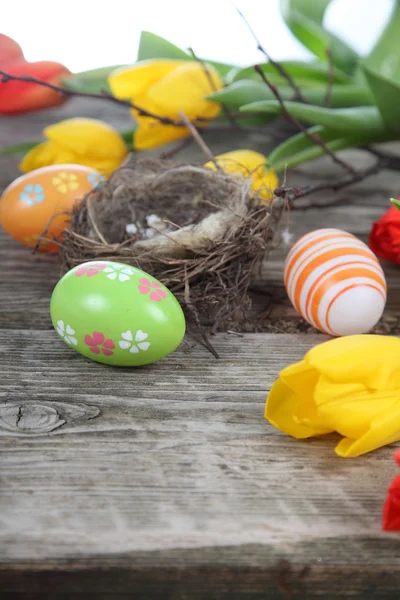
[{"x": 84, "y": 34}]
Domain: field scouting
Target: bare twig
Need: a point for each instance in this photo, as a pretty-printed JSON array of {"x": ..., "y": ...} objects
[
  {"x": 336, "y": 201},
  {"x": 181, "y": 145},
  {"x": 104, "y": 95},
  {"x": 90, "y": 215},
  {"x": 331, "y": 78},
  {"x": 225, "y": 109},
  {"x": 195, "y": 314},
  {"x": 294, "y": 193},
  {"x": 313, "y": 137},
  {"x": 6, "y": 77},
  {"x": 281, "y": 70},
  {"x": 384, "y": 161},
  {"x": 198, "y": 139},
  {"x": 389, "y": 160}
]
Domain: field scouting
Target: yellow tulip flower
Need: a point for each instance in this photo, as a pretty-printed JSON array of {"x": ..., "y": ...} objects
[
  {"x": 249, "y": 164},
  {"x": 78, "y": 141},
  {"x": 350, "y": 385},
  {"x": 165, "y": 88}
]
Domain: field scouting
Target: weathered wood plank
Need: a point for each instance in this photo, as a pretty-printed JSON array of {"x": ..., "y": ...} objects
[
  {"x": 176, "y": 455},
  {"x": 166, "y": 481}
]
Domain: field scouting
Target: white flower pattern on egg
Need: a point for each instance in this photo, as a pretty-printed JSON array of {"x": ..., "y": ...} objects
[
  {"x": 66, "y": 332},
  {"x": 119, "y": 272},
  {"x": 134, "y": 346}
]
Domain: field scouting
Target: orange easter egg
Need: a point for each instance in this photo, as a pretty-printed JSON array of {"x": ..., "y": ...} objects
[
  {"x": 335, "y": 282},
  {"x": 28, "y": 204}
]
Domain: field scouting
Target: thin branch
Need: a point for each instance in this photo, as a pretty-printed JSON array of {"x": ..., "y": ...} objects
[
  {"x": 389, "y": 160},
  {"x": 331, "y": 78},
  {"x": 104, "y": 95},
  {"x": 225, "y": 109},
  {"x": 281, "y": 70},
  {"x": 313, "y": 137},
  {"x": 181, "y": 145},
  {"x": 91, "y": 217},
  {"x": 195, "y": 314},
  {"x": 336, "y": 201},
  {"x": 198, "y": 139},
  {"x": 294, "y": 193},
  {"x": 6, "y": 77}
]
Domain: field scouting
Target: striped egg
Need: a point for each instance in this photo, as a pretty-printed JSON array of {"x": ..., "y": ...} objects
[{"x": 335, "y": 282}]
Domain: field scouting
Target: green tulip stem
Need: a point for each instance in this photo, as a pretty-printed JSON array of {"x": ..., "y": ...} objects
[
  {"x": 127, "y": 136},
  {"x": 395, "y": 202},
  {"x": 18, "y": 148},
  {"x": 334, "y": 146}
]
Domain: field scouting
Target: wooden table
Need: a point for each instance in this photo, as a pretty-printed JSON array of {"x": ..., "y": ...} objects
[{"x": 166, "y": 481}]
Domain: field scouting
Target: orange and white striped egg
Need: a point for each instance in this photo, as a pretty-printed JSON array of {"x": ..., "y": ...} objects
[{"x": 335, "y": 282}]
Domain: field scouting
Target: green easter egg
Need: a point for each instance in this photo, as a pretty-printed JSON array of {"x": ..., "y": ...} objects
[{"x": 116, "y": 314}]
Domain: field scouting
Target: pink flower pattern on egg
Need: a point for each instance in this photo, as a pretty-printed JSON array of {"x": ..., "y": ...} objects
[
  {"x": 154, "y": 288},
  {"x": 90, "y": 269},
  {"x": 98, "y": 339}
]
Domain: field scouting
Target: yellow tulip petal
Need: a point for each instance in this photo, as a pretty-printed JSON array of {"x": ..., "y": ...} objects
[
  {"x": 104, "y": 167},
  {"x": 350, "y": 385},
  {"x": 384, "y": 430},
  {"x": 249, "y": 164},
  {"x": 49, "y": 153},
  {"x": 87, "y": 137},
  {"x": 184, "y": 89},
  {"x": 286, "y": 400},
  {"x": 128, "y": 82},
  {"x": 264, "y": 186},
  {"x": 351, "y": 413},
  {"x": 45, "y": 154},
  {"x": 245, "y": 162},
  {"x": 155, "y": 134},
  {"x": 373, "y": 360},
  {"x": 280, "y": 408}
]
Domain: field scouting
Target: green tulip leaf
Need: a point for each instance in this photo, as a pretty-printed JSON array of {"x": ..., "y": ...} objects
[
  {"x": 351, "y": 120},
  {"x": 314, "y": 151},
  {"x": 92, "y": 82},
  {"x": 297, "y": 143},
  {"x": 384, "y": 58},
  {"x": 154, "y": 46},
  {"x": 310, "y": 9},
  {"x": 305, "y": 20},
  {"x": 341, "y": 96},
  {"x": 300, "y": 148},
  {"x": 222, "y": 68},
  {"x": 395, "y": 202},
  {"x": 247, "y": 91},
  {"x": 18, "y": 148},
  {"x": 242, "y": 92},
  {"x": 301, "y": 72},
  {"x": 387, "y": 97}
]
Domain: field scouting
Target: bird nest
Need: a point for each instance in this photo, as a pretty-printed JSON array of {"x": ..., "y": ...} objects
[{"x": 202, "y": 233}]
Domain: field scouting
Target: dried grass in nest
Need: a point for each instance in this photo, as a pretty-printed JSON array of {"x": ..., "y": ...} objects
[{"x": 205, "y": 237}]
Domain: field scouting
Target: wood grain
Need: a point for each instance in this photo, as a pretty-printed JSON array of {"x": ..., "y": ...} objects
[{"x": 166, "y": 481}]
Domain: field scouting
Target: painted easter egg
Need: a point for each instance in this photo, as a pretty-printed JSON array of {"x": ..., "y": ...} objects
[
  {"x": 116, "y": 314},
  {"x": 335, "y": 282},
  {"x": 28, "y": 204}
]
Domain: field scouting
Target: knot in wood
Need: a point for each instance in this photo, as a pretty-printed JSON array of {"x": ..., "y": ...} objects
[{"x": 29, "y": 418}]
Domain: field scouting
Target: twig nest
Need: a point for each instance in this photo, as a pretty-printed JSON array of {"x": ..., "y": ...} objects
[{"x": 200, "y": 232}]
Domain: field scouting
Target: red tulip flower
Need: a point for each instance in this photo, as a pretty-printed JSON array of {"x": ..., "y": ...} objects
[
  {"x": 10, "y": 51},
  {"x": 391, "y": 509},
  {"x": 384, "y": 238},
  {"x": 22, "y": 96}
]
